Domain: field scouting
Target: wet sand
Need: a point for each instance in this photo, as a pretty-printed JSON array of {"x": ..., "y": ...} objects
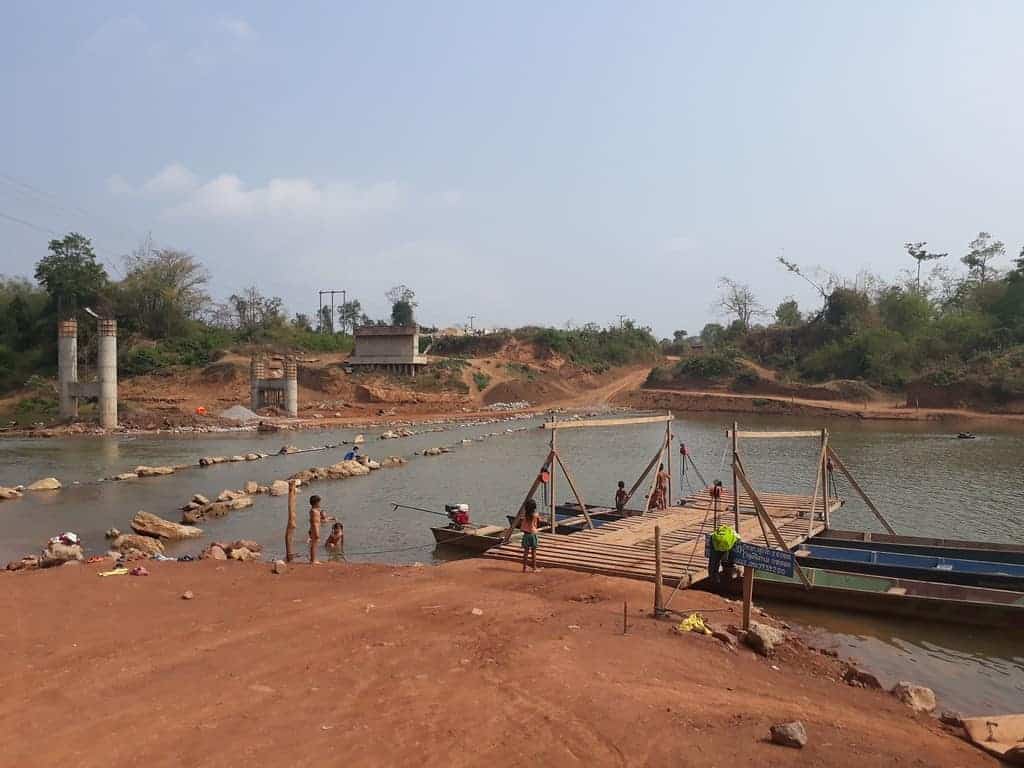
[{"x": 385, "y": 665}]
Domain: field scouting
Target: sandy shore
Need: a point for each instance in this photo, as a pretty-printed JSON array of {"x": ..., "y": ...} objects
[{"x": 380, "y": 665}]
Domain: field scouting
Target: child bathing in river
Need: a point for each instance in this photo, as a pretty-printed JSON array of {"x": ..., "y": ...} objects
[{"x": 336, "y": 541}]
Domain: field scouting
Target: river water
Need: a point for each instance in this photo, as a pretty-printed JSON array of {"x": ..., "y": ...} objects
[{"x": 924, "y": 480}]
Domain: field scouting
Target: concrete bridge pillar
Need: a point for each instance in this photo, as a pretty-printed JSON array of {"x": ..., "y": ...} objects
[
  {"x": 107, "y": 369},
  {"x": 67, "y": 367},
  {"x": 257, "y": 373},
  {"x": 291, "y": 387}
]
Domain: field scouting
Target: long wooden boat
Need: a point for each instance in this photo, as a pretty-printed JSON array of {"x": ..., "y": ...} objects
[
  {"x": 897, "y": 597},
  {"x": 920, "y": 545},
  {"x": 948, "y": 570},
  {"x": 470, "y": 538}
]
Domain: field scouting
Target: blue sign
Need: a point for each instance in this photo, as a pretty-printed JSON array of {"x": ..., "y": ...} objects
[{"x": 775, "y": 561}]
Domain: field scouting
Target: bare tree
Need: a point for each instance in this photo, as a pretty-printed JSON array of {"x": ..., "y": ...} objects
[
  {"x": 918, "y": 252},
  {"x": 983, "y": 249},
  {"x": 737, "y": 299}
]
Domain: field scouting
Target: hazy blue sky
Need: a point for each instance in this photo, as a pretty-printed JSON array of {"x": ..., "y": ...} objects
[{"x": 523, "y": 162}]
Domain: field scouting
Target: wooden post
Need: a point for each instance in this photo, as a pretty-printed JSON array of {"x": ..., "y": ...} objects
[
  {"x": 575, "y": 492},
  {"x": 654, "y": 483},
  {"x": 735, "y": 483},
  {"x": 625, "y": 617},
  {"x": 668, "y": 459},
  {"x": 289, "y": 529},
  {"x": 824, "y": 478},
  {"x": 554, "y": 473},
  {"x": 748, "y": 594},
  {"x": 658, "y": 603},
  {"x": 814, "y": 496},
  {"x": 546, "y": 466}
]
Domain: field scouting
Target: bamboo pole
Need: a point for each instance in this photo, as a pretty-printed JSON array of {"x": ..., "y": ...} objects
[
  {"x": 643, "y": 474},
  {"x": 814, "y": 496},
  {"x": 546, "y": 466},
  {"x": 575, "y": 492},
  {"x": 856, "y": 486},
  {"x": 822, "y": 464},
  {"x": 289, "y": 529},
  {"x": 584, "y": 423},
  {"x": 759, "y": 508},
  {"x": 735, "y": 485},
  {"x": 659, "y": 606},
  {"x": 668, "y": 458},
  {"x": 553, "y": 475},
  {"x": 654, "y": 483}
]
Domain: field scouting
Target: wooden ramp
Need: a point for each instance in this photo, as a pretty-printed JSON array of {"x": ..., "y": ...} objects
[{"x": 626, "y": 547}]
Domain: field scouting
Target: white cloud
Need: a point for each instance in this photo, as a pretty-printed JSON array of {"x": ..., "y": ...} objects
[
  {"x": 240, "y": 29},
  {"x": 174, "y": 180}
]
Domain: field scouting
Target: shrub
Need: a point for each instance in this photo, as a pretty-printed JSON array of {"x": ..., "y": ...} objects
[{"x": 481, "y": 380}]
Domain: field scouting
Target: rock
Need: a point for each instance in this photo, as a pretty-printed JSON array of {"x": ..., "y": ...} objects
[
  {"x": 66, "y": 563},
  {"x": 347, "y": 469},
  {"x": 954, "y": 719},
  {"x": 242, "y": 554},
  {"x": 144, "y": 471},
  {"x": 789, "y": 734},
  {"x": 371, "y": 464},
  {"x": 359, "y": 439},
  {"x": 151, "y": 525},
  {"x": 286, "y": 449},
  {"x": 191, "y": 516},
  {"x": 278, "y": 567},
  {"x": 9, "y": 493},
  {"x": 230, "y": 495},
  {"x": 252, "y": 457},
  {"x": 237, "y": 458},
  {"x": 724, "y": 637},
  {"x": 279, "y": 488},
  {"x": 188, "y": 594},
  {"x": 29, "y": 561},
  {"x": 917, "y": 697},
  {"x": 214, "y": 552},
  {"x": 304, "y": 476},
  {"x": 57, "y": 553},
  {"x": 763, "y": 638},
  {"x": 389, "y": 435},
  {"x": 859, "y": 677},
  {"x": 251, "y": 487},
  {"x": 147, "y": 545},
  {"x": 207, "y": 461},
  {"x": 244, "y": 544},
  {"x": 191, "y": 507},
  {"x": 125, "y": 476},
  {"x": 432, "y": 452},
  {"x": 112, "y": 533},
  {"x": 200, "y": 499},
  {"x": 392, "y": 461},
  {"x": 477, "y": 612},
  {"x": 221, "y": 508},
  {"x": 46, "y": 484}
]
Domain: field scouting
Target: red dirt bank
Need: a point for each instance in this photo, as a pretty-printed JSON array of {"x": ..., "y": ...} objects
[{"x": 380, "y": 665}]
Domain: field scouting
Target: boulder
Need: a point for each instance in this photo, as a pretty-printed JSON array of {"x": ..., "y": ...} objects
[
  {"x": 125, "y": 476},
  {"x": 389, "y": 435},
  {"x": 304, "y": 476},
  {"x": 9, "y": 493},
  {"x": 46, "y": 484},
  {"x": 860, "y": 678},
  {"x": 112, "y": 533},
  {"x": 359, "y": 439},
  {"x": 200, "y": 499},
  {"x": 347, "y": 469},
  {"x": 207, "y": 461},
  {"x": 917, "y": 697},
  {"x": 229, "y": 495},
  {"x": 28, "y": 561},
  {"x": 371, "y": 464},
  {"x": 237, "y": 458},
  {"x": 432, "y": 452},
  {"x": 279, "y": 488},
  {"x": 243, "y": 554},
  {"x": 191, "y": 516},
  {"x": 279, "y": 567},
  {"x": 252, "y": 457},
  {"x": 57, "y": 553},
  {"x": 144, "y": 471},
  {"x": 151, "y": 525},
  {"x": 191, "y": 507},
  {"x": 286, "y": 449},
  {"x": 214, "y": 552},
  {"x": 244, "y": 543},
  {"x": 147, "y": 545},
  {"x": 763, "y": 638},
  {"x": 251, "y": 487},
  {"x": 789, "y": 734},
  {"x": 221, "y": 508}
]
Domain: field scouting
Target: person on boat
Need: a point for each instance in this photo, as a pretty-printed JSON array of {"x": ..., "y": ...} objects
[
  {"x": 529, "y": 525},
  {"x": 336, "y": 540},
  {"x": 353, "y": 454},
  {"x": 722, "y": 542},
  {"x": 621, "y": 497}
]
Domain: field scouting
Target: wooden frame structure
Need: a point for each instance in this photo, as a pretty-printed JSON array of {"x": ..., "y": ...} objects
[{"x": 554, "y": 460}]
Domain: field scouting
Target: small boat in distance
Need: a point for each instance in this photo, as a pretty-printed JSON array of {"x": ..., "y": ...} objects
[
  {"x": 965, "y": 436},
  {"x": 471, "y": 538}
]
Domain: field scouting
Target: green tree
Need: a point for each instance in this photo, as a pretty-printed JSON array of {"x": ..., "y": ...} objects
[
  {"x": 920, "y": 254},
  {"x": 162, "y": 291},
  {"x": 326, "y": 320},
  {"x": 787, "y": 314},
  {"x": 982, "y": 250},
  {"x": 712, "y": 334},
  {"x": 847, "y": 309},
  {"x": 402, "y": 313},
  {"x": 679, "y": 337},
  {"x": 301, "y": 322},
  {"x": 349, "y": 315},
  {"x": 70, "y": 273},
  {"x": 905, "y": 311}
]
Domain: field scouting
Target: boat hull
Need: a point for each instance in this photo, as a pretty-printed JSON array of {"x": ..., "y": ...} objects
[
  {"x": 918, "y": 545},
  {"x": 479, "y": 540}
]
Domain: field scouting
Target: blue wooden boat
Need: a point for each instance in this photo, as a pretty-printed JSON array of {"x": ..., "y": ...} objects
[
  {"x": 896, "y": 597},
  {"x": 947, "y": 570},
  {"x": 920, "y": 545}
]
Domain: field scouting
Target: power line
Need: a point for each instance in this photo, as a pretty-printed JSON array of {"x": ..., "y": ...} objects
[{"x": 28, "y": 224}]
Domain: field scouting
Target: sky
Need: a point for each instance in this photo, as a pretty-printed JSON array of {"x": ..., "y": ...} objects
[{"x": 525, "y": 163}]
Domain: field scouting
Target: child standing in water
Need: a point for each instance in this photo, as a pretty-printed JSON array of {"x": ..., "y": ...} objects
[
  {"x": 529, "y": 525},
  {"x": 315, "y": 520},
  {"x": 336, "y": 541}
]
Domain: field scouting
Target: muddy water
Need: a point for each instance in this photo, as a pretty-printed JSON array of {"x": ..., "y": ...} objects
[{"x": 926, "y": 482}]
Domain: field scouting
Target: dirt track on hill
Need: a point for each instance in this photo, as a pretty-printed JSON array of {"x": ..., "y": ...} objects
[{"x": 377, "y": 665}]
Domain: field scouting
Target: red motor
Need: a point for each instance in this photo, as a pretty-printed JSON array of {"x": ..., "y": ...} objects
[{"x": 458, "y": 514}]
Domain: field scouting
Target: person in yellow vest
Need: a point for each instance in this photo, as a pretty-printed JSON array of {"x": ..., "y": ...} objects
[{"x": 722, "y": 541}]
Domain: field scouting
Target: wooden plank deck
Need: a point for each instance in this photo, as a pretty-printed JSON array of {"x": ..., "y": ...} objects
[{"x": 625, "y": 547}]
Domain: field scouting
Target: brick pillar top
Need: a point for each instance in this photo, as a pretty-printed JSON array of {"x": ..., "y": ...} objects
[
  {"x": 108, "y": 327},
  {"x": 67, "y": 328}
]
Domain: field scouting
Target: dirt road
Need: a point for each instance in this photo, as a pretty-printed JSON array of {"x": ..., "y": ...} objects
[{"x": 472, "y": 663}]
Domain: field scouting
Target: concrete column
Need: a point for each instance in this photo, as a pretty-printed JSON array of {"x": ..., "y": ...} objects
[
  {"x": 67, "y": 367},
  {"x": 257, "y": 372},
  {"x": 107, "y": 368},
  {"x": 291, "y": 384}
]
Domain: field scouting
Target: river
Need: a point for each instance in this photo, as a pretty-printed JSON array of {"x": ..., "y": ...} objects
[{"x": 924, "y": 480}]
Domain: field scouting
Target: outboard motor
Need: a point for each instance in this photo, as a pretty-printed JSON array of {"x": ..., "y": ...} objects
[{"x": 458, "y": 514}]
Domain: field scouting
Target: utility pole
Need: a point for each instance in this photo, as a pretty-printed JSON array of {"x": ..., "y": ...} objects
[
  {"x": 471, "y": 319},
  {"x": 320, "y": 313},
  {"x": 621, "y": 319}
]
